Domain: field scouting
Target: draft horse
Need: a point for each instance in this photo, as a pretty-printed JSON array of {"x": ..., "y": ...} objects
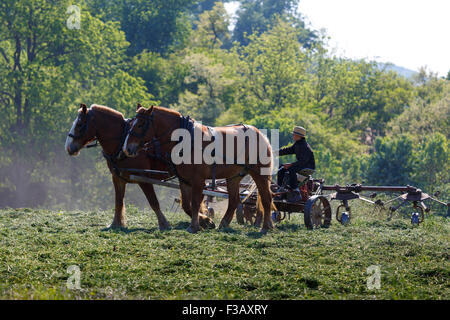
[
  {"x": 109, "y": 128},
  {"x": 155, "y": 126}
]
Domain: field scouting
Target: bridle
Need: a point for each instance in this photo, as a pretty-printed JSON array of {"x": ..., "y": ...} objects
[
  {"x": 85, "y": 127},
  {"x": 155, "y": 144},
  {"x": 83, "y": 130},
  {"x": 148, "y": 121}
]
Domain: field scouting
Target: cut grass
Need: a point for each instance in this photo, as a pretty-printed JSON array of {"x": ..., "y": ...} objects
[{"x": 141, "y": 262}]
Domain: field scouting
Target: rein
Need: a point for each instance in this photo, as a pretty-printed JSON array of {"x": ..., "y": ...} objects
[
  {"x": 155, "y": 143},
  {"x": 112, "y": 159},
  {"x": 149, "y": 120},
  {"x": 83, "y": 130}
]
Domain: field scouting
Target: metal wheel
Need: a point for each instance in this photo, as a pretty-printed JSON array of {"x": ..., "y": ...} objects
[
  {"x": 211, "y": 212},
  {"x": 277, "y": 217},
  {"x": 417, "y": 216},
  {"x": 317, "y": 212},
  {"x": 343, "y": 214}
]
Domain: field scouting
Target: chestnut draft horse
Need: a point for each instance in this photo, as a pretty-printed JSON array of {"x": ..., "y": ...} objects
[
  {"x": 157, "y": 124},
  {"x": 109, "y": 127}
]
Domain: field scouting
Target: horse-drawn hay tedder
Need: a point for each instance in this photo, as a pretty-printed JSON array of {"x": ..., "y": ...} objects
[
  {"x": 122, "y": 139},
  {"x": 316, "y": 200}
]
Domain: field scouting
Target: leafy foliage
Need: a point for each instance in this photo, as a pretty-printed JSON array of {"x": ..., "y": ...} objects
[
  {"x": 364, "y": 123},
  {"x": 392, "y": 161},
  {"x": 157, "y": 25},
  {"x": 258, "y": 16}
]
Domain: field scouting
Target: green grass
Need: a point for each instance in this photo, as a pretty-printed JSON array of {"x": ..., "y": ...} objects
[{"x": 37, "y": 247}]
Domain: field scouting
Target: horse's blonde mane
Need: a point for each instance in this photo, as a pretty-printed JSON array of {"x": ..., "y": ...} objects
[{"x": 107, "y": 110}]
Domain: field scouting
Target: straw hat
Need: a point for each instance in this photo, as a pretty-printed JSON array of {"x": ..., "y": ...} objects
[{"x": 300, "y": 131}]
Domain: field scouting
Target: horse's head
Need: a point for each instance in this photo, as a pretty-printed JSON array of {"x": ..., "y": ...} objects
[
  {"x": 81, "y": 133},
  {"x": 141, "y": 131}
]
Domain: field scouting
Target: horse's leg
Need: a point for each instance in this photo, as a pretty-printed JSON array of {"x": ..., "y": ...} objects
[
  {"x": 265, "y": 197},
  {"x": 197, "y": 196},
  {"x": 149, "y": 192},
  {"x": 119, "y": 215},
  {"x": 186, "y": 196},
  {"x": 259, "y": 212},
  {"x": 233, "y": 201}
]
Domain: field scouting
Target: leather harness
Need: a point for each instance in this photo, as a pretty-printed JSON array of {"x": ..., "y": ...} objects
[{"x": 153, "y": 145}]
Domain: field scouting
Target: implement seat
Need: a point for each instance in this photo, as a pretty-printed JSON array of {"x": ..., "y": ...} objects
[{"x": 304, "y": 174}]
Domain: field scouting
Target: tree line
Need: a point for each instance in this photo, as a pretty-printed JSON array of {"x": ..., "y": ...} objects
[{"x": 364, "y": 122}]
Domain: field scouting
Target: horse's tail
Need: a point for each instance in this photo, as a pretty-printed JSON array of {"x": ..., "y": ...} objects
[
  {"x": 271, "y": 164},
  {"x": 259, "y": 205},
  {"x": 269, "y": 153},
  {"x": 273, "y": 207},
  {"x": 267, "y": 170}
]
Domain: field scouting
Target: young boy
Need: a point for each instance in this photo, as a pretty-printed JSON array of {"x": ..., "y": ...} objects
[{"x": 305, "y": 160}]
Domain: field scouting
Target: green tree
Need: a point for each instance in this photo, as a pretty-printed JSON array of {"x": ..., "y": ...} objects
[
  {"x": 258, "y": 16},
  {"x": 157, "y": 25},
  {"x": 46, "y": 70},
  {"x": 211, "y": 89},
  {"x": 429, "y": 87},
  {"x": 212, "y": 29},
  {"x": 357, "y": 95},
  {"x": 392, "y": 161},
  {"x": 423, "y": 119},
  {"x": 433, "y": 165},
  {"x": 274, "y": 68},
  {"x": 205, "y": 5},
  {"x": 210, "y": 82}
]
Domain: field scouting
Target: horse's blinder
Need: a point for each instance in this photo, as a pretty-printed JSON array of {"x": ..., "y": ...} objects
[
  {"x": 147, "y": 120},
  {"x": 83, "y": 130}
]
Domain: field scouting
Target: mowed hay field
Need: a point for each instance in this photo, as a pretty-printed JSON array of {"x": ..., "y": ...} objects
[{"x": 38, "y": 246}]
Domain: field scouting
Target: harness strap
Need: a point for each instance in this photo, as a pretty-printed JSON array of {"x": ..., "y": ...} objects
[
  {"x": 118, "y": 155},
  {"x": 214, "y": 176},
  {"x": 112, "y": 162}
]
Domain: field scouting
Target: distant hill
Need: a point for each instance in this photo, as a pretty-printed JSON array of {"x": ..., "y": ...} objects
[{"x": 407, "y": 73}]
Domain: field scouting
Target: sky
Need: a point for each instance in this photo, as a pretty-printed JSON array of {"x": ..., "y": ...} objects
[{"x": 408, "y": 33}]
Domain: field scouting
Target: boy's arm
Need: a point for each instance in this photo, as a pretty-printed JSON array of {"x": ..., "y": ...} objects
[{"x": 286, "y": 151}]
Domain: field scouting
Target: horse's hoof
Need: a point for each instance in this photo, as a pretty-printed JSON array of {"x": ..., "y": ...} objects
[
  {"x": 223, "y": 225},
  {"x": 207, "y": 223},
  {"x": 191, "y": 229},
  {"x": 264, "y": 230},
  {"x": 164, "y": 227},
  {"x": 117, "y": 226},
  {"x": 257, "y": 223}
]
